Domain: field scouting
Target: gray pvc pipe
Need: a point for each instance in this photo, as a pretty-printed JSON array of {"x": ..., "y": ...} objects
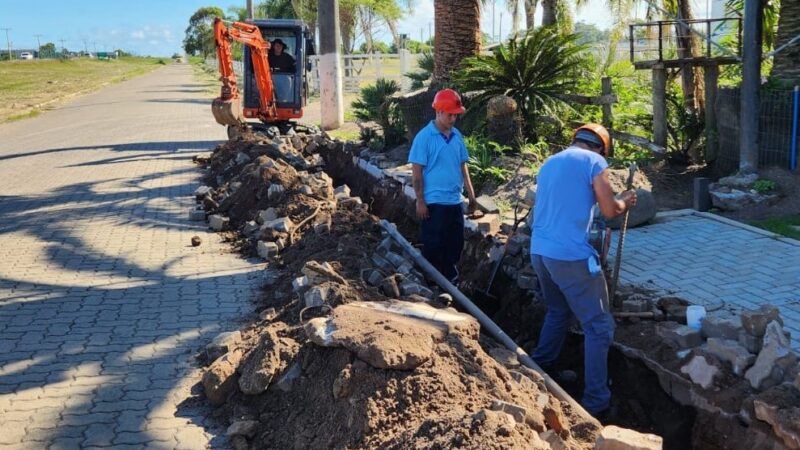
[{"x": 486, "y": 322}]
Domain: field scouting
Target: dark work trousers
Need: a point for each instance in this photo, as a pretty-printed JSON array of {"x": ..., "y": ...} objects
[{"x": 442, "y": 238}]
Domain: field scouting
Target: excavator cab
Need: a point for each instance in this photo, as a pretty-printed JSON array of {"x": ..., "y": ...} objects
[
  {"x": 273, "y": 93},
  {"x": 290, "y": 86}
]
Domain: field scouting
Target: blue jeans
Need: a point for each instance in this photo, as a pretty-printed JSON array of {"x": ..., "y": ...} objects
[
  {"x": 569, "y": 288},
  {"x": 442, "y": 238}
]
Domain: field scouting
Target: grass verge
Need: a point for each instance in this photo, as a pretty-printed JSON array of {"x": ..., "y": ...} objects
[
  {"x": 28, "y": 86},
  {"x": 788, "y": 226}
]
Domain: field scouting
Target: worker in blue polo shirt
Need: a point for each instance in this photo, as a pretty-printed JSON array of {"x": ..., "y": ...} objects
[
  {"x": 438, "y": 160},
  {"x": 568, "y": 267}
]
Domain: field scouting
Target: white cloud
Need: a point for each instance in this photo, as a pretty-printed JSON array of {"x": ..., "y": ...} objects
[{"x": 137, "y": 34}]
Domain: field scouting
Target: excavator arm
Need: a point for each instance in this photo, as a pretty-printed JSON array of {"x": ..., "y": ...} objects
[{"x": 227, "y": 108}]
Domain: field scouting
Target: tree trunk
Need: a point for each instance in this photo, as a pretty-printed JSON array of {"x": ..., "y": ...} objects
[
  {"x": 392, "y": 24},
  {"x": 530, "y": 10},
  {"x": 787, "y": 61},
  {"x": 458, "y": 35},
  {"x": 549, "y": 12},
  {"x": 514, "y": 10},
  {"x": 689, "y": 47}
]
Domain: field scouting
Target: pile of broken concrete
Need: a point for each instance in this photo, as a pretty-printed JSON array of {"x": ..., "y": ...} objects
[
  {"x": 749, "y": 352},
  {"x": 352, "y": 347},
  {"x": 736, "y": 192}
]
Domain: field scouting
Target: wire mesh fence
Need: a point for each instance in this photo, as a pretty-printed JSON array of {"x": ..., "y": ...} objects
[
  {"x": 774, "y": 129},
  {"x": 659, "y": 41}
]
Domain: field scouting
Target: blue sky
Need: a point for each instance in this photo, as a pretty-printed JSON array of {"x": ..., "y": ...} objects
[{"x": 156, "y": 27}]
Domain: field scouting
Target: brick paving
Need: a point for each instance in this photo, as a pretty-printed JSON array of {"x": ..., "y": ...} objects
[
  {"x": 103, "y": 302},
  {"x": 707, "y": 260}
]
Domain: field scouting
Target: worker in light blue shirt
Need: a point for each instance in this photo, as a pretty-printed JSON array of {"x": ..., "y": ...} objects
[
  {"x": 568, "y": 186},
  {"x": 438, "y": 160}
]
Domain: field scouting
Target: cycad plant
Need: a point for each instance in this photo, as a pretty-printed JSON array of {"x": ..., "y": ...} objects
[
  {"x": 425, "y": 63},
  {"x": 376, "y": 104},
  {"x": 534, "y": 71}
]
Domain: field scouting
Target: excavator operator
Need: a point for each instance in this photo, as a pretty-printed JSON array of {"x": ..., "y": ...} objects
[{"x": 279, "y": 60}]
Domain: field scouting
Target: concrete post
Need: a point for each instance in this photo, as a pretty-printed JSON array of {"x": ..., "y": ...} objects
[
  {"x": 660, "y": 105},
  {"x": 405, "y": 67},
  {"x": 702, "y": 198},
  {"x": 711, "y": 75},
  {"x": 751, "y": 82},
  {"x": 330, "y": 69}
]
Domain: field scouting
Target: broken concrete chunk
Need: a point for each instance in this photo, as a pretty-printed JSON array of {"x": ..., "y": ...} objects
[
  {"x": 219, "y": 380},
  {"x": 246, "y": 428},
  {"x": 775, "y": 353},
  {"x": 411, "y": 288},
  {"x": 616, "y": 438},
  {"x": 720, "y": 327},
  {"x": 487, "y": 205},
  {"x": 730, "y": 351},
  {"x": 679, "y": 336},
  {"x": 300, "y": 284},
  {"x": 201, "y": 191},
  {"x": 374, "y": 278},
  {"x": 197, "y": 215},
  {"x": 516, "y": 411},
  {"x": 342, "y": 191},
  {"x": 755, "y": 321},
  {"x": 518, "y": 243},
  {"x": 275, "y": 192},
  {"x": 268, "y": 360},
  {"x": 217, "y": 222},
  {"x": 250, "y": 228},
  {"x": 306, "y": 190},
  {"x": 286, "y": 381},
  {"x": 395, "y": 259},
  {"x": 504, "y": 356},
  {"x": 750, "y": 342},
  {"x": 283, "y": 225},
  {"x": 350, "y": 202},
  {"x": 267, "y": 215},
  {"x": 267, "y": 250},
  {"x": 553, "y": 440},
  {"x": 488, "y": 224},
  {"x": 700, "y": 371},
  {"x": 316, "y": 296},
  {"x": 222, "y": 343}
]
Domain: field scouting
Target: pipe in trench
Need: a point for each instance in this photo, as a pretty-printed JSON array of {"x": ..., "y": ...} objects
[{"x": 486, "y": 322}]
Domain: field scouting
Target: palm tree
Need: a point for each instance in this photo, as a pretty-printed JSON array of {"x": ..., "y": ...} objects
[
  {"x": 534, "y": 71},
  {"x": 458, "y": 35},
  {"x": 530, "y": 10},
  {"x": 786, "y": 66}
]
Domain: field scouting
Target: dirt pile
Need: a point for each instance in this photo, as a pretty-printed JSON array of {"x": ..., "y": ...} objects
[{"x": 353, "y": 348}]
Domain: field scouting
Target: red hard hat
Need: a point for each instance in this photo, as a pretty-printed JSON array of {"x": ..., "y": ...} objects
[{"x": 449, "y": 101}]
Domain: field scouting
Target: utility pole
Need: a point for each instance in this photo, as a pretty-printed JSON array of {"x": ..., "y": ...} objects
[
  {"x": 493, "y": 2},
  {"x": 250, "y": 9},
  {"x": 8, "y": 42},
  {"x": 430, "y": 32},
  {"x": 63, "y": 49},
  {"x": 39, "y": 43},
  {"x": 330, "y": 69},
  {"x": 421, "y": 37},
  {"x": 500, "y": 28},
  {"x": 751, "y": 83}
]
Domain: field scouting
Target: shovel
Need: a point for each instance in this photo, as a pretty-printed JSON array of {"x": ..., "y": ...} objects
[{"x": 618, "y": 259}]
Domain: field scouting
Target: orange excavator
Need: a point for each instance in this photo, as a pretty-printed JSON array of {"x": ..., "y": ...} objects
[{"x": 272, "y": 96}]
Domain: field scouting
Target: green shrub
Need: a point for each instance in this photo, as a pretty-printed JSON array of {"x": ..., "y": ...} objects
[
  {"x": 481, "y": 164},
  {"x": 425, "y": 63},
  {"x": 376, "y": 104},
  {"x": 764, "y": 186}
]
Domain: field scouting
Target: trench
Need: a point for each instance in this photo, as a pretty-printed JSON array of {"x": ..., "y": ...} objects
[{"x": 638, "y": 400}]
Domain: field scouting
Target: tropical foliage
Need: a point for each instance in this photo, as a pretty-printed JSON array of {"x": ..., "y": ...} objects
[
  {"x": 376, "y": 104},
  {"x": 535, "y": 71},
  {"x": 425, "y": 63}
]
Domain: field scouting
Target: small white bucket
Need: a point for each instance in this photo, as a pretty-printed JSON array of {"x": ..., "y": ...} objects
[{"x": 694, "y": 316}]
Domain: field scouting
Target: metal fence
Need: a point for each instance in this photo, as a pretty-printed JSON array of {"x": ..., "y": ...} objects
[{"x": 774, "y": 129}]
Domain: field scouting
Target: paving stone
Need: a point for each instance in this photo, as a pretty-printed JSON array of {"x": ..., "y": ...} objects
[
  {"x": 721, "y": 327},
  {"x": 679, "y": 336},
  {"x": 775, "y": 352},
  {"x": 700, "y": 371},
  {"x": 730, "y": 351},
  {"x": 755, "y": 322},
  {"x": 616, "y": 438},
  {"x": 267, "y": 250},
  {"x": 218, "y": 222}
]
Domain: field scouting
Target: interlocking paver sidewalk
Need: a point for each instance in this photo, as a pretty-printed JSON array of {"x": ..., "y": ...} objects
[
  {"x": 713, "y": 261},
  {"x": 103, "y": 302}
]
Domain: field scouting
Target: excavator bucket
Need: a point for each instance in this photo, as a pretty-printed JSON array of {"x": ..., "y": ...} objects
[{"x": 227, "y": 112}]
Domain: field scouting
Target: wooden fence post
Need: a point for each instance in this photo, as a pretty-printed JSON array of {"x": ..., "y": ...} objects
[
  {"x": 660, "y": 104},
  {"x": 608, "y": 118}
]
